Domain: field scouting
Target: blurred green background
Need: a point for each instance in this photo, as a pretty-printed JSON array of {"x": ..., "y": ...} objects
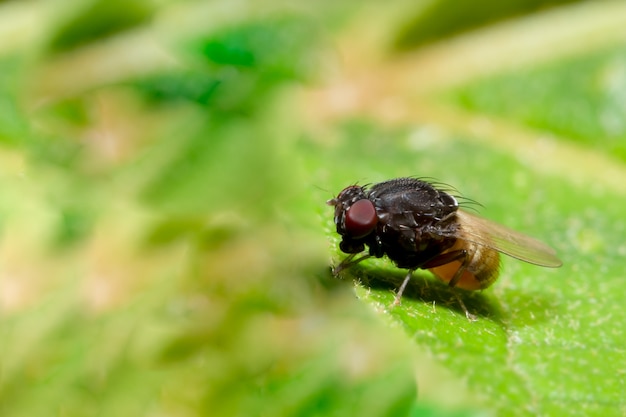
[{"x": 166, "y": 247}]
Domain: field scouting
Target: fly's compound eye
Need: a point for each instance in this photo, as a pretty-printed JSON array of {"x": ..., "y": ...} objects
[{"x": 360, "y": 219}]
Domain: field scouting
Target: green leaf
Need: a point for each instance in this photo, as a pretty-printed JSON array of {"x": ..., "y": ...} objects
[{"x": 166, "y": 248}]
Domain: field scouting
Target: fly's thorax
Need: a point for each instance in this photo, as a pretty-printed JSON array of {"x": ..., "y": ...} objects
[{"x": 414, "y": 230}]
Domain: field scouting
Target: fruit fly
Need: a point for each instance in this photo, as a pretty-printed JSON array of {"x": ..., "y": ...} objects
[{"x": 419, "y": 226}]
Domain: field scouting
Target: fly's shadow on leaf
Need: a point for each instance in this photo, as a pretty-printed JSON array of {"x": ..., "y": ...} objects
[
  {"x": 513, "y": 307},
  {"x": 427, "y": 289}
]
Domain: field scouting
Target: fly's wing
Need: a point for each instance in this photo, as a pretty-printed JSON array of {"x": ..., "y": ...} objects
[{"x": 486, "y": 233}]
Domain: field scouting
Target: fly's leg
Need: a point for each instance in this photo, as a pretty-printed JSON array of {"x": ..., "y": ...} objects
[
  {"x": 470, "y": 316},
  {"x": 402, "y": 287},
  {"x": 348, "y": 262},
  {"x": 438, "y": 260},
  {"x": 459, "y": 272},
  {"x": 446, "y": 258},
  {"x": 455, "y": 279}
]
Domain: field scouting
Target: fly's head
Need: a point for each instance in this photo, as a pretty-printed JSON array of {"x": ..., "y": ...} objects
[{"x": 355, "y": 218}]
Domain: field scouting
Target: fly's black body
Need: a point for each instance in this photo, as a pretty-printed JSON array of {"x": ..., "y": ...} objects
[{"x": 421, "y": 227}]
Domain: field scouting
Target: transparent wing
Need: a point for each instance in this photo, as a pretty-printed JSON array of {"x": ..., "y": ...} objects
[{"x": 486, "y": 233}]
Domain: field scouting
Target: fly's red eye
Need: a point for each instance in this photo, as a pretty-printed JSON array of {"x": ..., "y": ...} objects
[{"x": 361, "y": 219}]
